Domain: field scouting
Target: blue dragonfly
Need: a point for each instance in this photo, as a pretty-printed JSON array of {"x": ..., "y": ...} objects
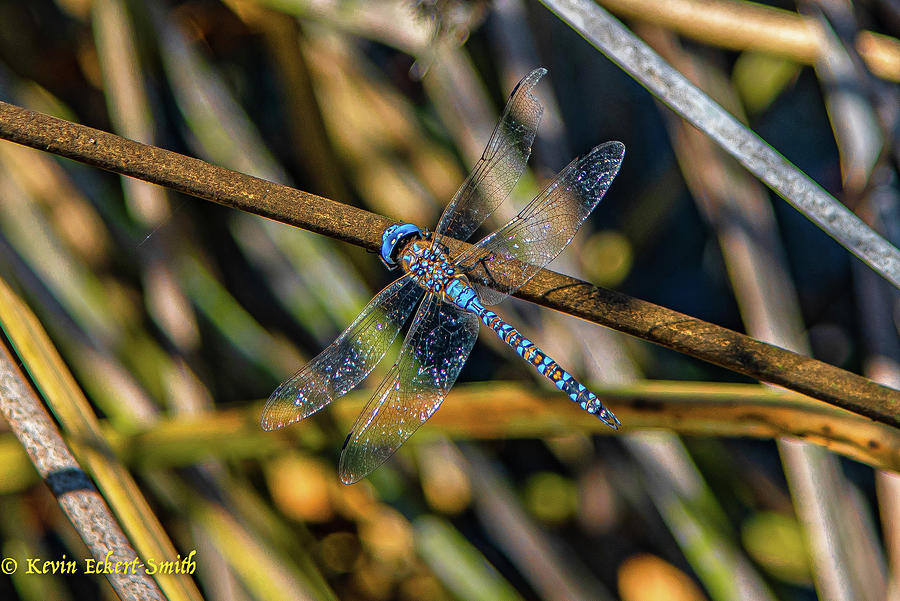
[{"x": 456, "y": 290}]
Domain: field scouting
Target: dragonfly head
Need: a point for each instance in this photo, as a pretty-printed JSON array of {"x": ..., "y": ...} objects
[{"x": 395, "y": 238}]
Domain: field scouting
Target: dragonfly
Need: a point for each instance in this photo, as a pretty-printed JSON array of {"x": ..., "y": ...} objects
[{"x": 452, "y": 295}]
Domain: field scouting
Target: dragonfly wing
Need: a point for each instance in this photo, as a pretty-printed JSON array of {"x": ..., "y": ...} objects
[
  {"x": 513, "y": 254},
  {"x": 499, "y": 168},
  {"x": 433, "y": 354},
  {"x": 348, "y": 360}
]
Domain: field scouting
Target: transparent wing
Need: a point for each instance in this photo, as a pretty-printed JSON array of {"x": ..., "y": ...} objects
[
  {"x": 503, "y": 161},
  {"x": 348, "y": 360},
  {"x": 512, "y": 255},
  {"x": 433, "y": 353}
]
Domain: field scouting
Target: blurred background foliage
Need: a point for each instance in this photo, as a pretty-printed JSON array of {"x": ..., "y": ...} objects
[{"x": 176, "y": 316}]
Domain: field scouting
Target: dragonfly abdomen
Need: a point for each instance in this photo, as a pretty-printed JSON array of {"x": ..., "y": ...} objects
[{"x": 543, "y": 363}]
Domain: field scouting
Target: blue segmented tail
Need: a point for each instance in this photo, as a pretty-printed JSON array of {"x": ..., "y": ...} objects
[
  {"x": 548, "y": 368},
  {"x": 461, "y": 294}
]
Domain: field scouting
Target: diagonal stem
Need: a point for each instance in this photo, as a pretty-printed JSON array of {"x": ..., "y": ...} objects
[
  {"x": 74, "y": 491},
  {"x": 628, "y": 51},
  {"x": 615, "y": 310}
]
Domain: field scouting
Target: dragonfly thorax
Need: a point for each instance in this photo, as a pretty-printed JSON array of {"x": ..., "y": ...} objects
[{"x": 430, "y": 265}]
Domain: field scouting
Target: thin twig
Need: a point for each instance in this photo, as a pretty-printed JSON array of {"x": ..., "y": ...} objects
[
  {"x": 72, "y": 487},
  {"x": 653, "y": 323},
  {"x": 71, "y": 409},
  {"x": 628, "y": 51}
]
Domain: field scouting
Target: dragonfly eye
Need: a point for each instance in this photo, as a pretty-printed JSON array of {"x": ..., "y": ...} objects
[{"x": 394, "y": 239}]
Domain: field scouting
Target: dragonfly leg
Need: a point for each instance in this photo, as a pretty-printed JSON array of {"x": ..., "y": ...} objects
[{"x": 483, "y": 262}]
